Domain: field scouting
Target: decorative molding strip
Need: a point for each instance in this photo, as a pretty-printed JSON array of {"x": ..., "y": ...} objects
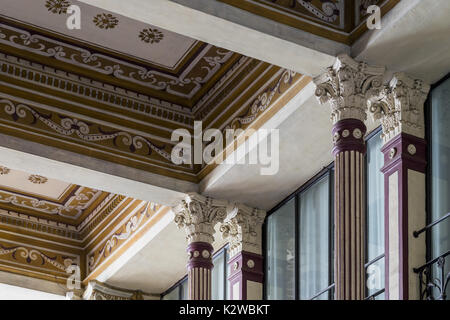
[
  {"x": 72, "y": 209},
  {"x": 93, "y": 90},
  {"x": 86, "y": 132},
  {"x": 36, "y": 258},
  {"x": 184, "y": 86},
  {"x": 263, "y": 101},
  {"x": 38, "y": 225},
  {"x": 122, "y": 233}
]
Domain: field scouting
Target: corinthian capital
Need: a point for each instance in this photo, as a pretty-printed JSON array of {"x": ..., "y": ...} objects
[
  {"x": 347, "y": 85},
  {"x": 198, "y": 215},
  {"x": 400, "y": 106},
  {"x": 243, "y": 226}
]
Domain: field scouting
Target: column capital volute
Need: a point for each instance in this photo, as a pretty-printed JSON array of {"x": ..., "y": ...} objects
[
  {"x": 198, "y": 215},
  {"x": 347, "y": 85},
  {"x": 243, "y": 228},
  {"x": 400, "y": 107}
]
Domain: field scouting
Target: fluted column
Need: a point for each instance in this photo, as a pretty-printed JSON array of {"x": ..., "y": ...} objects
[
  {"x": 198, "y": 215},
  {"x": 243, "y": 228},
  {"x": 400, "y": 107},
  {"x": 347, "y": 86}
]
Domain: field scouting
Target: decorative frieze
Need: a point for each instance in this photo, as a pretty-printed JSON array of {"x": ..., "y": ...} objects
[
  {"x": 347, "y": 85},
  {"x": 399, "y": 107},
  {"x": 243, "y": 226}
]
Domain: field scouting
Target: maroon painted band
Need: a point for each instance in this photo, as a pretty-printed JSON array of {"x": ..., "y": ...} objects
[
  {"x": 348, "y": 135},
  {"x": 200, "y": 255}
]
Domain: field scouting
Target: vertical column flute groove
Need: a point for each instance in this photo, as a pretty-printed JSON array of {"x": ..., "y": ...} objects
[{"x": 349, "y": 153}]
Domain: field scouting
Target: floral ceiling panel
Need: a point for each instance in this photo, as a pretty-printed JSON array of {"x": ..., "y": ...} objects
[{"x": 134, "y": 39}]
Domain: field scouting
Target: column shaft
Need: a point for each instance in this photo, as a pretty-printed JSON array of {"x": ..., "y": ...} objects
[
  {"x": 349, "y": 153},
  {"x": 200, "y": 266}
]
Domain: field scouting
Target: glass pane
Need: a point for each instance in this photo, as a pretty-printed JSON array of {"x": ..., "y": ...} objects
[
  {"x": 280, "y": 257},
  {"x": 184, "y": 290},
  {"x": 375, "y": 198},
  {"x": 314, "y": 240},
  {"x": 173, "y": 295},
  {"x": 227, "y": 273},
  {"x": 218, "y": 277},
  {"x": 375, "y": 277},
  {"x": 440, "y": 163}
]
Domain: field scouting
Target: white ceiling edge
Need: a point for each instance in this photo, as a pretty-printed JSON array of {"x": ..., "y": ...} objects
[
  {"x": 45, "y": 289},
  {"x": 53, "y": 163}
]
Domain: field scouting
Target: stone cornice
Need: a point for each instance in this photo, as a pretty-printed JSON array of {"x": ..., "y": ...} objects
[
  {"x": 400, "y": 107},
  {"x": 198, "y": 215},
  {"x": 347, "y": 85},
  {"x": 243, "y": 226}
]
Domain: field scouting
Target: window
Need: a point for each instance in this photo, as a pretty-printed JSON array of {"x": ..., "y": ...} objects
[
  {"x": 299, "y": 246},
  {"x": 439, "y": 177},
  {"x": 219, "y": 276},
  {"x": 219, "y": 280},
  {"x": 375, "y": 268},
  {"x": 280, "y": 259}
]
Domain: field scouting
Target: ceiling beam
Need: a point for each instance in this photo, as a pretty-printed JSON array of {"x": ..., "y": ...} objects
[{"x": 54, "y": 163}]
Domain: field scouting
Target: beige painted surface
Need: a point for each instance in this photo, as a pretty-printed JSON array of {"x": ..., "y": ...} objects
[
  {"x": 416, "y": 221},
  {"x": 235, "y": 30},
  {"x": 254, "y": 290},
  {"x": 393, "y": 238},
  {"x": 413, "y": 39}
]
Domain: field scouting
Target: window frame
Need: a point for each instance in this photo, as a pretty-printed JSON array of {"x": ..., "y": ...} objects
[
  {"x": 367, "y": 264},
  {"x": 326, "y": 171},
  {"x": 428, "y": 106}
]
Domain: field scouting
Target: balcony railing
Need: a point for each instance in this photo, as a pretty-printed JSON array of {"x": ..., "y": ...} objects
[{"x": 433, "y": 287}]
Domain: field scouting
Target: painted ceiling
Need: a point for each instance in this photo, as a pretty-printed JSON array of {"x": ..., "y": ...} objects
[
  {"x": 48, "y": 199},
  {"x": 337, "y": 20},
  {"x": 115, "y": 49}
]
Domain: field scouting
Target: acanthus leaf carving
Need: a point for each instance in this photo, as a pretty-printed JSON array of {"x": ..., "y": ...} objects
[
  {"x": 347, "y": 85},
  {"x": 243, "y": 226},
  {"x": 198, "y": 215},
  {"x": 400, "y": 107}
]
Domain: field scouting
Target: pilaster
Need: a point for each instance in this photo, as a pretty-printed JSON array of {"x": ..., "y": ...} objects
[
  {"x": 400, "y": 107},
  {"x": 243, "y": 226}
]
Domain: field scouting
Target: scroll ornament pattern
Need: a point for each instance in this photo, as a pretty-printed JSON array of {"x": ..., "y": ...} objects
[
  {"x": 185, "y": 86},
  {"x": 69, "y": 127},
  {"x": 122, "y": 235},
  {"x": 36, "y": 257},
  {"x": 263, "y": 101},
  {"x": 328, "y": 13},
  {"x": 73, "y": 208}
]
